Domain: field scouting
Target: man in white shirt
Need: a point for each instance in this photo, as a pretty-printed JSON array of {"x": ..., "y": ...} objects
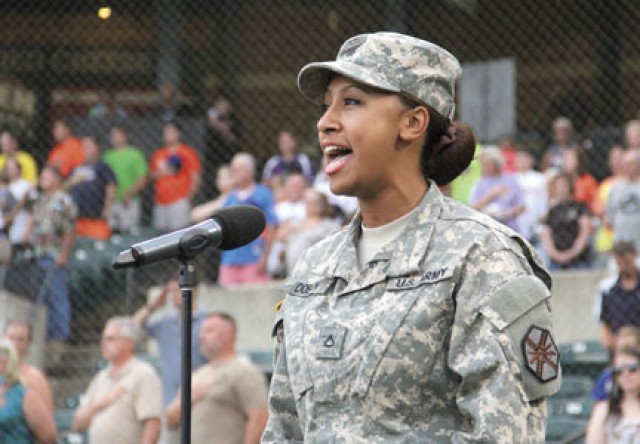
[{"x": 534, "y": 193}]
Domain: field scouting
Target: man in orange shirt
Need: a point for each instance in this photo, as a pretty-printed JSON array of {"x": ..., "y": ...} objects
[
  {"x": 176, "y": 171},
  {"x": 68, "y": 153}
]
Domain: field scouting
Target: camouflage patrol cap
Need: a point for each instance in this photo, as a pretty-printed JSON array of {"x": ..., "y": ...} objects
[{"x": 391, "y": 62}]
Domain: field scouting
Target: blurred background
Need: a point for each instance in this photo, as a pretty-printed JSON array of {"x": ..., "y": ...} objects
[
  {"x": 540, "y": 77},
  {"x": 528, "y": 62}
]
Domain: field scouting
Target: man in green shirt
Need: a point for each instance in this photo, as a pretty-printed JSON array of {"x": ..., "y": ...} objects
[{"x": 130, "y": 167}]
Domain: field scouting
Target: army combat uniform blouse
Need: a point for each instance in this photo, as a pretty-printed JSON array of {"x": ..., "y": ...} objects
[{"x": 444, "y": 336}]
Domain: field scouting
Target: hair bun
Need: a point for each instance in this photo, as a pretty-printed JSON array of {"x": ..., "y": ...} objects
[{"x": 453, "y": 158}]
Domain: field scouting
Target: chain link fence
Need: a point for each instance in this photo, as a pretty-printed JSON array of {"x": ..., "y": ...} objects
[{"x": 537, "y": 74}]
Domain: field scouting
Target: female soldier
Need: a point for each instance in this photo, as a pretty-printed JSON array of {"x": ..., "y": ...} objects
[{"x": 421, "y": 321}]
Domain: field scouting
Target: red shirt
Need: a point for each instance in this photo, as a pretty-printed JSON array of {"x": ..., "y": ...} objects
[
  {"x": 67, "y": 155},
  {"x": 585, "y": 189},
  {"x": 184, "y": 161},
  {"x": 509, "y": 156}
]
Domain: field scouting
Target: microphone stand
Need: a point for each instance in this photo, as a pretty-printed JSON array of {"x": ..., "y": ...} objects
[
  {"x": 187, "y": 281},
  {"x": 191, "y": 244}
]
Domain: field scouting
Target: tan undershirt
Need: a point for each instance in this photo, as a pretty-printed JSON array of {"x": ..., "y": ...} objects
[{"x": 374, "y": 239}]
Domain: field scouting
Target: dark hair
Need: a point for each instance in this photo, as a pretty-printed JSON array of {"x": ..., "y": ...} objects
[
  {"x": 174, "y": 124},
  {"x": 622, "y": 247},
  {"x": 615, "y": 397},
  {"x": 120, "y": 127},
  {"x": 66, "y": 121},
  {"x": 629, "y": 330},
  {"x": 94, "y": 138},
  {"x": 444, "y": 163},
  {"x": 563, "y": 176},
  {"x": 287, "y": 131}
]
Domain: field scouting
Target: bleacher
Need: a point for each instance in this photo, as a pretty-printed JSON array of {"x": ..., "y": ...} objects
[
  {"x": 569, "y": 410},
  {"x": 67, "y": 404}
]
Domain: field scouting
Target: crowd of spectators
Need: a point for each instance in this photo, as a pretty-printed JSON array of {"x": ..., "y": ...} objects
[
  {"x": 615, "y": 415},
  {"x": 552, "y": 197},
  {"x": 133, "y": 398},
  {"x": 522, "y": 187}
]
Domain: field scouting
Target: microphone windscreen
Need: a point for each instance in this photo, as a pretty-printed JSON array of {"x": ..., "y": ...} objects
[{"x": 240, "y": 225}]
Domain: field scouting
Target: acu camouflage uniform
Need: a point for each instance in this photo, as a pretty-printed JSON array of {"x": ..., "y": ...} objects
[{"x": 443, "y": 337}]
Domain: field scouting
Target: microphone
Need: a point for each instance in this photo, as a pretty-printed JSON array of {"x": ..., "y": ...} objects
[{"x": 227, "y": 229}]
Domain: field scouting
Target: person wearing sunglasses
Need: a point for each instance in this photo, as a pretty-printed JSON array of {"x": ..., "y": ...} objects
[
  {"x": 628, "y": 336},
  {"x": 617, "y": 420}
]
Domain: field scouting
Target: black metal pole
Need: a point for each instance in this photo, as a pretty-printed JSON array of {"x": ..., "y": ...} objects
[
  {"x": 187, "y": 281},
  {"x": 129, "y": 289}
]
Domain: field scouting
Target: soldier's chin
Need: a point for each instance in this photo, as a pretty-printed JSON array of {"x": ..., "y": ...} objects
[{"x": 339, "y": 188}]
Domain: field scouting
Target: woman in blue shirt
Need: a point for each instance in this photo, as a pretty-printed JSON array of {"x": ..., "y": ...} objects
[{"x": 24, "y": 418}]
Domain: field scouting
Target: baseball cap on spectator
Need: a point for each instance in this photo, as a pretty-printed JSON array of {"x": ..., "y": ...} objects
[{"x": 391, "y": 62}]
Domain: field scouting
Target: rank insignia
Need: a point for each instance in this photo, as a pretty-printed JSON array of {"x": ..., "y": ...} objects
[
  {"x": 541, "y": 354},
  {"x": 329, "y": 342}
]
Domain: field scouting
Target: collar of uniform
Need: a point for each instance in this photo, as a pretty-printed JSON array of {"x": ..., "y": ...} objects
[
  {"x": 405, "y": 254},
  {"x": 346, "y": 265}
]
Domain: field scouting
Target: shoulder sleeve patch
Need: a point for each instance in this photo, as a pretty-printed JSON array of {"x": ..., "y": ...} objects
[
  {"x": 520, "y": 312},
  {"x": 541, "y": 355}
]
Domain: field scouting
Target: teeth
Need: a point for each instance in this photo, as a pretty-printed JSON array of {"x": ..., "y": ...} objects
[{"x": 334, "y": 149}]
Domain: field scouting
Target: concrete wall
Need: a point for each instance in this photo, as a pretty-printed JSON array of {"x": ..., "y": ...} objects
[
  {"x": 253, "y": 307},
  {"x": 573, "y": 302}
]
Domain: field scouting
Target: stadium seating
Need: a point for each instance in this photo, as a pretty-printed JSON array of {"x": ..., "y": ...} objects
[
  {"x": 583, "y": 358},
  {"x": 564, "y": 430}
]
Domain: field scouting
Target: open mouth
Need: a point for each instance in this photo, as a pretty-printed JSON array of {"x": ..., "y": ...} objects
[
  {"x": 337, "y": 156},
  {"x": 335, "y": 152}
]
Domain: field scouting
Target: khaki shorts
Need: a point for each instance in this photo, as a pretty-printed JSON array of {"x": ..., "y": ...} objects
[{"x": 173, "y": 216}]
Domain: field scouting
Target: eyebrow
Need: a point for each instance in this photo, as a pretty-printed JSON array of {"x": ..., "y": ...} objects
[
  {"x": 352, "y": 85},
  {"x": 363, "y": 88}
]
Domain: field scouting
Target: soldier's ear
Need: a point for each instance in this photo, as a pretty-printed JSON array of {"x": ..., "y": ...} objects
[{"x": 413, "y": 124}]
